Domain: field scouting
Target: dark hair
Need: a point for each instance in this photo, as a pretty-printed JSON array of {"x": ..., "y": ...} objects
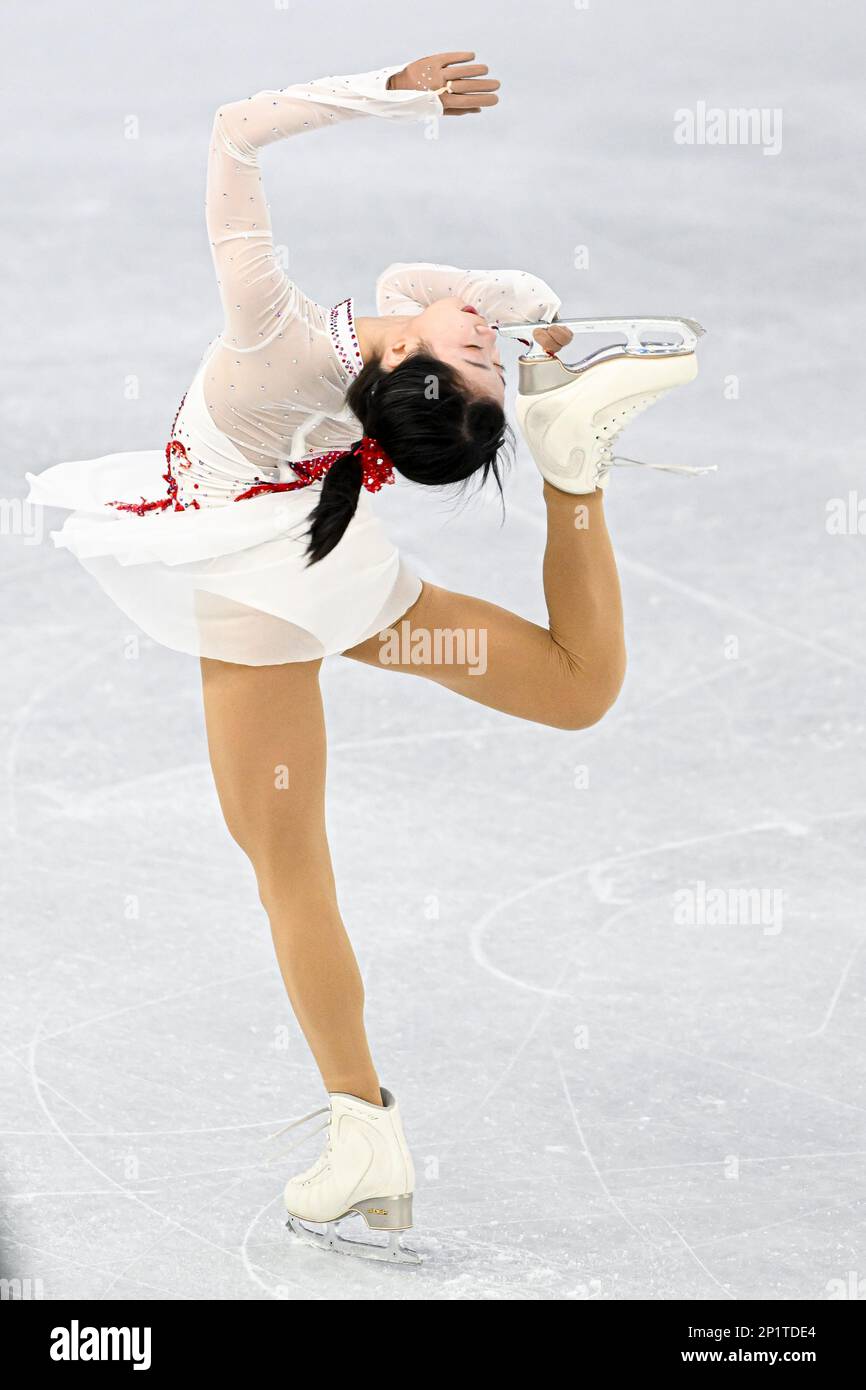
[{"x": 434, "y": 430}]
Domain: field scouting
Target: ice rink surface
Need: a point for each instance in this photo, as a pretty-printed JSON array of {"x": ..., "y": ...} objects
[{"x": 614, "y": 1087}]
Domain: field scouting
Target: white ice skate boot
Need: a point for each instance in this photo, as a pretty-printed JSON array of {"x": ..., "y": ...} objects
[
  {"x": 366, "y": 1170},
  {"x": 571, "y": 414}
]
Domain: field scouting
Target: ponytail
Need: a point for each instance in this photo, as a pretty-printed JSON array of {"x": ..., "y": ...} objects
[{"x": 337, "y": 504}]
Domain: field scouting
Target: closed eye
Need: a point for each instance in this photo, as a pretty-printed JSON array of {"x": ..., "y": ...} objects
[{"x": 485, "y": 367}]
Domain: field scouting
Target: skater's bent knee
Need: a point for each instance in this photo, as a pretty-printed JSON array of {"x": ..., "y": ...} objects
[
  {"x": 586, "y": 694},
  {"x": 582, "y": 715}
]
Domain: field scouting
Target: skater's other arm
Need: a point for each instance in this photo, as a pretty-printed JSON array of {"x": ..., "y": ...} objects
[{"x": 502, "y": 296}]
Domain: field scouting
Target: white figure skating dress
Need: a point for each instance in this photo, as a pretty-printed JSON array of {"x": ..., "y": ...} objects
[{"x": 202, "y": 543}]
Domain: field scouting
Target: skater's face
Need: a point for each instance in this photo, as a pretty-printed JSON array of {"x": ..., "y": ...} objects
[{"x": 456, "y": 333}]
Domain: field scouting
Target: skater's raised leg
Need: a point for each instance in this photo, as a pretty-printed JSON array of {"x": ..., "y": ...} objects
[
  {"x": 567, "y": 674},
  {"x": 267, "y": 745}
]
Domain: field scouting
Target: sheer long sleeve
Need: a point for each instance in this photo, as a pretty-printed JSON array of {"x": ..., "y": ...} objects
[
  {"x": 503, "y": 296},
  {"x": 257, "y": 294}
]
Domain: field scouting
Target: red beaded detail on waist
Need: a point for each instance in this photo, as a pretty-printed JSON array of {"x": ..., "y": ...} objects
[
  {"x": 171, "y": 499},
  {"x": 310, "y": 471}
]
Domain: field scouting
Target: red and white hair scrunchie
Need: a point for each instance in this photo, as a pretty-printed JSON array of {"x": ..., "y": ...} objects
[{"x": 376, "y": 464}]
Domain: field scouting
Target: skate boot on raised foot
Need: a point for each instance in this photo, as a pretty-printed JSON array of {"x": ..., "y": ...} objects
[
  {"x": 366, "y": 1170},
  {"x": 571, "y": 414}
]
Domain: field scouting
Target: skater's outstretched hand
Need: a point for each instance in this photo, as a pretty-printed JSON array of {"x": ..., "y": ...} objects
[
  {"x": 471, "y": 88},
  {"x": 553, "y": 338}
]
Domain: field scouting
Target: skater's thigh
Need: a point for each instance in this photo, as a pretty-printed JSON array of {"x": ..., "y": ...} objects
[
  {"x": 266, "y": 738},
  {"x": 469, "y": 645}
]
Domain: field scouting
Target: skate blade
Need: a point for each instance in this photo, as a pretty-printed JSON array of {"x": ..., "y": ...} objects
[
  {"x": 638, "y": 333},
  {"x": 394, "y": 1252}
]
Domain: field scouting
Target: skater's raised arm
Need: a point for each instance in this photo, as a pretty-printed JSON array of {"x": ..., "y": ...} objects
[{"x": 256, "y": 293}]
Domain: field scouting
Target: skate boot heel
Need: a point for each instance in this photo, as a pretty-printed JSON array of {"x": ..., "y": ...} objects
[
  {"x": 386, "y": 1213},
  {"x": 539, "y": 374}
]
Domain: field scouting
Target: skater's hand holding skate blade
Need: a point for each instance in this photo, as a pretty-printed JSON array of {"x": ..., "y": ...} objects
[
  {"x": 553, "y": 338},
  {"x": 463, "y": 86}
]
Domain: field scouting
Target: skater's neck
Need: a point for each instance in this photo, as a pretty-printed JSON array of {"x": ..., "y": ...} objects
[{"x": 375, "y": 335}]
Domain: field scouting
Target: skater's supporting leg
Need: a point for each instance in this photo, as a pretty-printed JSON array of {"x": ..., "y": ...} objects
[
  {"x": 567, "y": 674},
  {"x": 267, "y": 744}
]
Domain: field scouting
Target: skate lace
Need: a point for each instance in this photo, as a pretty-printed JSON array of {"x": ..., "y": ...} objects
[
  {"x": 612, "y": 460},
  {"x": 608, "y": 459},
  {"x": 302, "y": 1120}
]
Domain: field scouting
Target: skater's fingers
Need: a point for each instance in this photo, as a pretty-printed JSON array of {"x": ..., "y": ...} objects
[
  {"x": 459, "y": 72},
  {"x": 463, "y": 85},
  {"x": 468, "y": 102},
  {"x": 448, "y": 59},
  {"x": 560, "y": 334},
  {"x": 546, "y": 340},
  {"x": 553, "y": 338}
]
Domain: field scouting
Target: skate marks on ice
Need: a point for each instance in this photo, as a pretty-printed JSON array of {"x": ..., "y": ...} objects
[
  {"x": 21, "y": 720},
  {"x": 597, "y": 874},
  {"x": 172, "y": 1226},
  {"x": 613, "y": 1201},
  {"x": 459, "y": 1265},
  {"x": 274, "y": 1274},
  {"x": 604, "y": 1001}
]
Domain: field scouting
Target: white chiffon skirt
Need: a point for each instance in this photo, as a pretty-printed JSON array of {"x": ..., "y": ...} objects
[{"x": 231, "y": 581}]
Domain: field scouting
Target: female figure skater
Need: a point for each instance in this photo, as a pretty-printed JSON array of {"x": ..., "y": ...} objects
[{"x": 252, "y": 543}]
